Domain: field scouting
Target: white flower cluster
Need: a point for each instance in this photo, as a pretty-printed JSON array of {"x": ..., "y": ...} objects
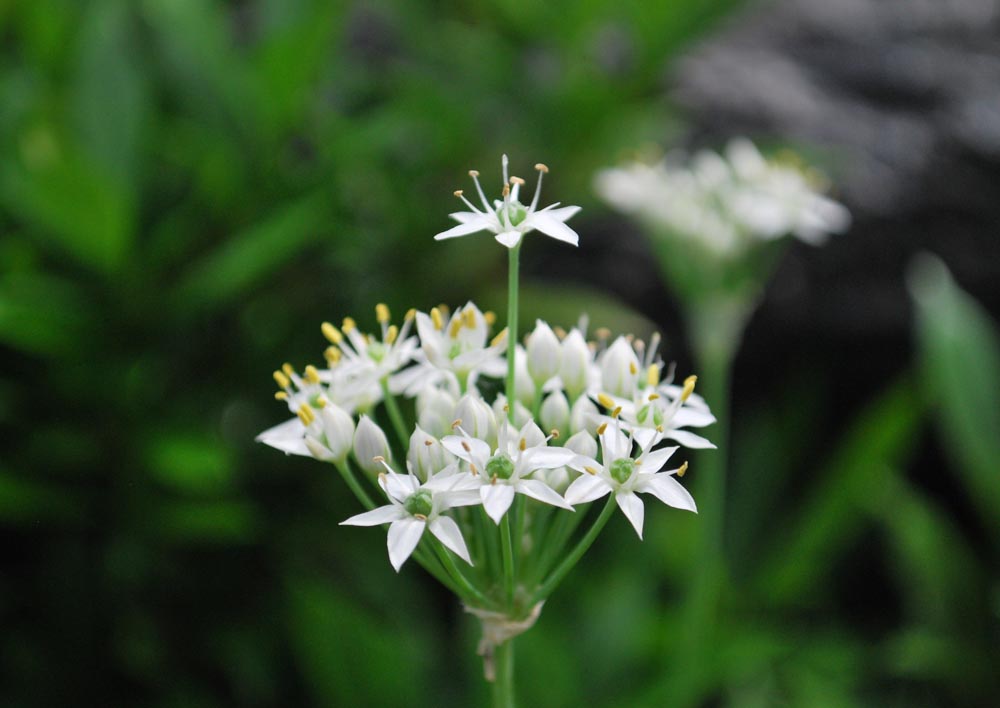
[
  {"x": 590, "y": 419},
  {"x": 726, "y": 202}
]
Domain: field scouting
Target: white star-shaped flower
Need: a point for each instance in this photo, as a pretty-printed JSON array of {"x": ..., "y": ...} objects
[
  {"x": 624, "y": 477},
  {"x": 414, "y": 507},
  {"x": 504, "y": 472},
  {"x": 509, "y": 219}
]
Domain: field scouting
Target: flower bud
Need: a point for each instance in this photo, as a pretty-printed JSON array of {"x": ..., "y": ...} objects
[
  {"x": 584, "y": 416},
  {"x": 583, "y": 443},
  {"x": 554, "y": 413},
  {"x": 544, "y": 353},
  {"x": 477, "y": 418},
  {"x": 619, "y": 369},
  {"x": 370, "y": 442},
  {"x": 521, "y": 414},
  {"x": 426, "y": 456},
  {"x": 338, "y": 429},
  {"x": 574, "y": 365},
  {"x": 435, "y": 411},
  {"x": 524, "y": 387}
]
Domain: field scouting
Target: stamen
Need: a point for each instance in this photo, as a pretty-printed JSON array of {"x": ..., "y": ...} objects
[
  {"x": 517, "y": 180},
  {"x": 322, "y": 402},
  {"x": 490, "y": 317},
  {"x": 602, "y": 333},
  {"x": 473, "y": 468},
  {"x": 474, "y": 174},
  {"x": 605, "y": 400},
  {"x": 601, "y": 428},
  {"x": 436, "y": 318},
  {"x": 590, "y": 470},
  {"x": 312, "y": 375},
  {"x": 688, "y": 387},
  {"x": 541, "y": 168},
  {"x": 616, "y": 412},
  {"x": 281, "y": 379},
  {"x": 378, "y": 458},
  {"x": 523, "y": 445},
  {"x": 391, "y": 334},
  {"x": 280, "y": 396},
  {"x": 499, "y": 338},
  {"x": 410, "y": 314},
  {"x": 554, "y": 433},
  {"x": 469, "y": 318},
  {"x": 306, "y": 414},
  {"x": 461, "y": 195},
  {"x": 682, "y": 469},
  {"x": 455, "y": 327},
  {"x": 505, "y": 191},
  {"x": 653, "y": 397},
  {"x": 559, "y": 332},
  {"x": 332, "y": 354},
  {"x": 288, "y": 369},
  {"x": 455, "y": 423},
  {"x": 349, "y": 325},
  {"x": 428, "y": 442},
  {"x": 465, "y": 446},
  {"x": 632, "y": 368},
  {"x": 420, "y": 517},
  {"x": 653, "y": 375},
  {"x": 331, "y": 333},
  {"x": 382, "y": 313}
]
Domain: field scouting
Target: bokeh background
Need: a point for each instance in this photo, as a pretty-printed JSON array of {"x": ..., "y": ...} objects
[{"x": 189, "y": 187}]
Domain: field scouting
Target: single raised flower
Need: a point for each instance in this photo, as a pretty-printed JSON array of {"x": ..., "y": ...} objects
[
  {"x": 509, "y": 219},
  {"x": 414, "y": 507},
  {"x": 625, "y": 477}
]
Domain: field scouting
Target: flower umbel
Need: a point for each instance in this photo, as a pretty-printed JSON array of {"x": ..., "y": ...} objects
[{"x": 508, "y": 219}]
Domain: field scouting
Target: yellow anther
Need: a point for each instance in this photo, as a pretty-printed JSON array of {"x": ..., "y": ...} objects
[
  {"x": 602, "y": 332},
  {"x": 616, "y": 412},
  {"x": 653, "y": 375},
  {"x": 473, "y": 468},
  {"x": 428, "y": 442},
  {"x": 469, "y": 318},
  {"x": 331, "y": 333},
  {"x": 554, "y": 433},
  {"x": 653, "y": 396},
  {"x": 501, "y": 336},
  {"x": 590, "y": 470},
  {"x": 455, "y": 327},
  {"x": 541, "y": 168},
  {"x": 473, "y": 173},
  {"x": 465, "y": 446},
  {"x": 381, "y": 313},
  {"x": 659, "y": 428},
  {"x": 517, "y": 180},
  {"x": 523, "y": 445},
  {"x": 391, "y": 334},
  {"x": 491, "y": 317},
  {"x": 689, "y": 383},
  {"x": 332, "y": 354},
  {"x": 410, "y": 314},
  {"x": 601, "y": 428},
  {"x": 458, "y": 192},
  {"x": 605, "y": 400},
  {"x": 455, "y": 423},
  {"x": 559, "y": 332},
  {"x": 280, "y": 396},
  {"x": 288, "y": 369},
  {"x": 281, "y": 379},
  {"x": 682, "y": 469},
  {"x": 322, "y": 402},
  {"x": 505, "y": 192},
  {"x": 436, "y": 318},
  {"x": 312, "y": 375},
  {"x": 632, "y": 368},
  {"x": 306, "y": 414},
  {"x": 506, "y": 408},
  {"x": 420, "y": 517},
  {"x": 348, "y": 325}
]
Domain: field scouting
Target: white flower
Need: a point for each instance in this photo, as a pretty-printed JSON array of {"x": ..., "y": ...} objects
[
  {"x": 476, "y": 417},
  {"x": 436, "y": 410},
  {"x": 509, "y": 220},
  {"x": 584, "y": 416},
  {"x": 619, "y": 367},
  {"x": 576, "y": 365},
  {"x": 503, "y": 473},
  {"x": 624, "y": 477},
  {"x": 370, "y": 444},
  {"x": 414, "y": 507},
  {"x": 554, "y": 413},
  {"x": 426, "y": 456},
  {"x": 544, "y": 353}
]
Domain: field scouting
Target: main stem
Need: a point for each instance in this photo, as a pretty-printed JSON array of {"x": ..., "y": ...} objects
[
  {"x": 503, "y": 686},
  {"x": 512, "y": 285}
]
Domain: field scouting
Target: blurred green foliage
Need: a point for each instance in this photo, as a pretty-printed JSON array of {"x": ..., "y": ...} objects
[{"x": 188, "y": 187}]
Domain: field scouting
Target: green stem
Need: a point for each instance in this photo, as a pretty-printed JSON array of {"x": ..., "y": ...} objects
[
  {"x": 507, "y": 548},
  {"x": 503, "y": 686},
  {"x": 468, "y": 591},
  {"x": 396, "y": 416},
  {"x": 574, "y": 556},
  {"x": 433, "y": 566},
  {"x": 344, "y": 467},
  {"x": 512, "y": 295}
]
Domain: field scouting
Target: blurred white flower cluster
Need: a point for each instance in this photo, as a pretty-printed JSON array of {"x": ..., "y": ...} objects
[{"x": 726, "y": 202}]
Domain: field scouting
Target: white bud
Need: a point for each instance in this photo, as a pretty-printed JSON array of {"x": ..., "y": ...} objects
[
  {"x": 619, "y": 369},
  {"x": 584, "y": 416},
  {"x": 524, "y": 387},
  {"x": 544, "y": 353},
  {"x": 370, "y": 442},
  {"x": 521, "y": 414},
  {"x": 426, "y": 455},
  {"x": 338, "y": 428},
  {"x": 554, "y": 412},
  {"x": 583, "y": 443},
  {"x": 531, "y": 434},
  {"x": 435, "y": 411},
  {"x": 575, "y": 363},
  {"x": 477, "y": 418}
]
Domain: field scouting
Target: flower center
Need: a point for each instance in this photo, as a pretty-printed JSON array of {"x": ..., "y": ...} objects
[
  {"x": 621, "y": 469},
  {"x": 419, "y": 503},
  {"x": 376, "y": 351},
  {"x": 500, "y": 466},
  {"x": 516, "y": 212}
]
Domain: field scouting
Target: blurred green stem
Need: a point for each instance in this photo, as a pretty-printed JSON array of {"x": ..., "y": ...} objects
[
  {"x": 512, "y": 282},
  {"x": 503, "y": 685},
  {"x": 344, "y": 467},
  {"x": 395, "y": 415},
  {"x": 574, "y": 556}
]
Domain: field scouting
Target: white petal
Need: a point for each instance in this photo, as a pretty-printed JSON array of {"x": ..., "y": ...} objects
[
  {"x": 668, "y": 490},
  {"x": 690, "y": 417},
  {"x": 615, "y": 444},
  {"x": 481, "y": 223},
  {"x": 552, "y": 226},
  {"x": 542, "y": 492},
  {"x": 509, "y": 238},
  {"x": 287, "y": 437},
  {"x": 404, "y": 535},
  {"x": 464, "y": 217},
  {"x": 546, "y": 458},
  {"x": 631, "y": 506},
  {"x": 586, "y": 488},
  {"x": 447, "y": 531},
  {"x": 382, "y": 515},
  {"x": 497, "y": 499},
  {"x": 561, "y": 213},
  {"x": 645, "y": 437},
  {"x": 695, "y": 442},
  {"x": 654, "y": 461}
]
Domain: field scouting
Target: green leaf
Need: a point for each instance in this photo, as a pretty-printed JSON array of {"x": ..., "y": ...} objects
[
  {"x": 960, "y": 360},
  {"x": 41, "y": 314},
  {"x": 190, "y": 462}
]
